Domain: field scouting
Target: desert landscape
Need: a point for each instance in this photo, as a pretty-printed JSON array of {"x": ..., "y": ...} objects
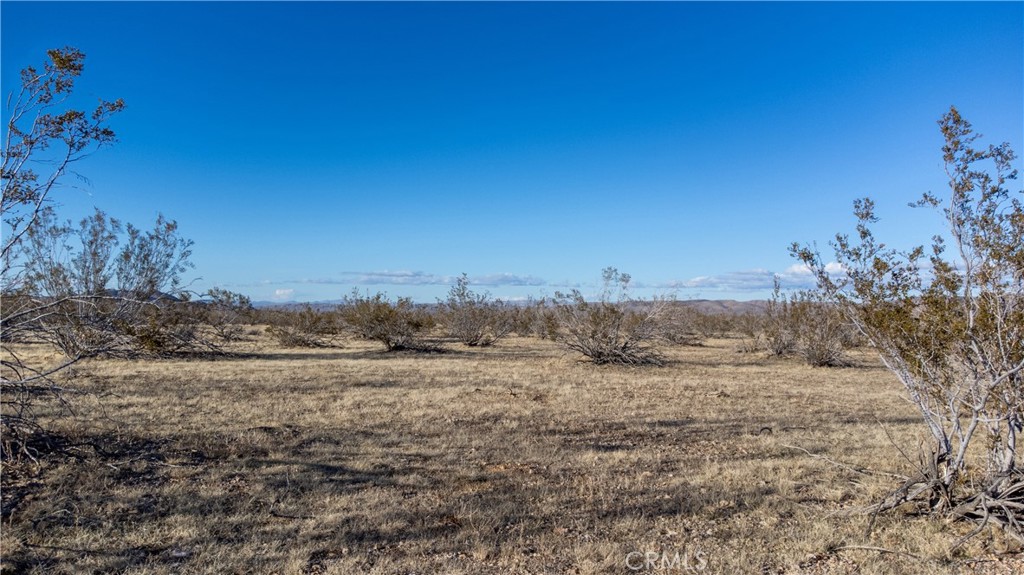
[
  {"x": 517, "y": 458},
  {"x": 511, "y": 288}
]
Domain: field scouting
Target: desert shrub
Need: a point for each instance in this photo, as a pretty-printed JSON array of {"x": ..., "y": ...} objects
[
  {"x": 678, "y": 325},
  {"x": 399, "y": 325},
  {"x": 226, "y": 313},
  {"x": 541, "y": 319},
  {"x": 711, "y": 325},
  {"x": 104, "y": 289},
  {"x": 307, "y": 327},
  {"x": 164, "y": 330},
  {"x": 951, "y": 328},
  {"x": 268, "y": 315},
  {"x": 750, "y": 326},
  {"x": 525, "y": 318},
  {"x": 91, "y": 289},
  {"x": 779, "y": 332},
  {"x": 819, "y": 330},
  {"x": 805, "y": 325},
  {"x": 475, "y": 319},
  {"x": 613, "y": 329},
  {"x": 779, "y": 340}
]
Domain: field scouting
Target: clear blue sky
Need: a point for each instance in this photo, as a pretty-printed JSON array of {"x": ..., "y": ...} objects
[{"x": 308, "y": 148}]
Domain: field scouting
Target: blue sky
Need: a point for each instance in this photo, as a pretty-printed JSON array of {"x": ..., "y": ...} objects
[{"x": 309, "y": 148}]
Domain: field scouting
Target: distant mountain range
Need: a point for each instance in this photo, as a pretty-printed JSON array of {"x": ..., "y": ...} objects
[{"x": 729, "y": 306}]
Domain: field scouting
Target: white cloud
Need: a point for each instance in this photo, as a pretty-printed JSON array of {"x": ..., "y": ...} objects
[
  {"x": 284, "y": 294},
  {"x": 797, "y": 270},
  {"x": 796, "y": 276},
  {"x": 746, "y": 280},
  {"x": 412, "y": 278},
  {"x": 392, "y": 278},
  {"x": 506, "y": 280},
  {"x": 835, "y": 268},
  {"x": 424, "y": 278}
]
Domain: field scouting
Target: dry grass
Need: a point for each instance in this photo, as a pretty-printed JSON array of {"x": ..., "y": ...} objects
[{"x": 512, "y": 459}]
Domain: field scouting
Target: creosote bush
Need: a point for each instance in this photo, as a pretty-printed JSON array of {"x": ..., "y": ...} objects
[
  {"x": 614, "y": 329},
  {"x": 399, "y": 325},
  {"x": 537, "y": 318},
  {"x": 806, "y": 325},
  {"x": 108, "y": 289},
  {"x": 820, "y": 330},
  {"x": 227, "y": 313},
  {"x": 750, "y": 326},
  {"x": 779, "y": 333},
  {"x": 678, "y": 325},
  {"x": 306, "y": 327},
  {"x": 951, "y": 327},
  {"x": 476, "y": 319},
  {"x": 96, "y": 288},
  {"x": 709, "y": 324}
]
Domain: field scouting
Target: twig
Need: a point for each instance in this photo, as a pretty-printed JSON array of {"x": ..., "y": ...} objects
[
  {"x": 860, "y": 470},
  {"x": 286, "y": 516},
  {"x": 893, "y": 441},
  {"x": 872, "y": 548},
  {"x": 974, "y": 532}
]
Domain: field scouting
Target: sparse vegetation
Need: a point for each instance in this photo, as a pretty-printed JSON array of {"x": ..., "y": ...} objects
[
  {"x": 806, "y": 325},
  {"x": 779, "y": 333},
  {"x": 538, "y": 318},
  {"x": 709, "y": 325},
  {"x": 751, "y": 328},
  {"x": 108, "y": 289},
  {"x": 306, "y": 327},
  {"x": 679, "y": 325},
  {"x": 511, "y": 458},
  {"x": 819, "y": 330},
  {"x": 515, "y": 458}
]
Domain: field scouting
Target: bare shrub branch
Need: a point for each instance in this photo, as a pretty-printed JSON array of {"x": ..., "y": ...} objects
[
  {"x": 91, "y": 289},
  {"x": 614, "y": 329},
  {"x": 475, "y": 319},
  {"x": 307, "y": 327},
  {"x": 951, "y": 327},
  {"x": 226, "y": 313},
  {"x": 399, "y": 325}
]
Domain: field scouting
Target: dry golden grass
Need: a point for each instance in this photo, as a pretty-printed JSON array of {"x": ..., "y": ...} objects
[{"x": 514, "y": 459}]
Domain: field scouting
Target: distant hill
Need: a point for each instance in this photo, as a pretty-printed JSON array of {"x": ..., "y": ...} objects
[{"x": 728, "y": 306}]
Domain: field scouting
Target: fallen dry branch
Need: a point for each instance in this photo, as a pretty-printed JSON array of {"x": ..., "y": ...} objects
[
  {"x": 846, "y": 466},
  {"x": 1000, "y": 502},
  {"x": 878, "y": 549}
]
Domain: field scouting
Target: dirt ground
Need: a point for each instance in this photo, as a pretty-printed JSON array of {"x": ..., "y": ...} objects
[{"x": 513, "y": 459}]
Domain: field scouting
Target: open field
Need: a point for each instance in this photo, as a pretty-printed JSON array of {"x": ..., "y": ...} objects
[{"x": 511, "y": 459}]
